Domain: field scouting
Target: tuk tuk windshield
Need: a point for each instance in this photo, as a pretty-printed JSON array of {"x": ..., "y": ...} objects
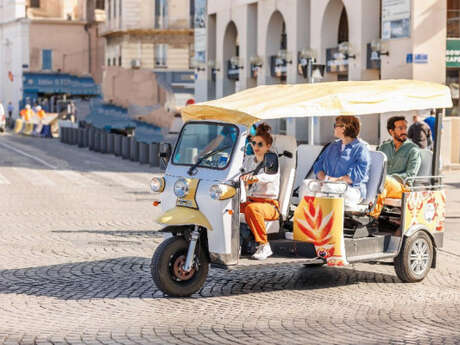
[{"x": 206, "y": 143}]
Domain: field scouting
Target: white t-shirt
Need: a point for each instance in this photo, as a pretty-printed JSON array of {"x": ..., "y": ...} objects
[
  {"x": 2, "y": 110},
  {"x": 267, "y": 186}
]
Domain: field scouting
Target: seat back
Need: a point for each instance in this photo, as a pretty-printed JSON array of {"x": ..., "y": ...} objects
[
  {"x": 377, "y": 174},
  {"x": 306, "y": 156},
  {"x": 427, "y": 161},
  {"x": 287, "y": 167}
]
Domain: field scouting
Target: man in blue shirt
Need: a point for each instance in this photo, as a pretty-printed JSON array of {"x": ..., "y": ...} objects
[{"x": 345, "y": 160}]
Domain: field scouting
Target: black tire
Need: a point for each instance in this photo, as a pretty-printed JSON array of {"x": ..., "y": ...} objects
[
  {"x": 415, "y": 258},
  {"x": 165, "y": 260}
]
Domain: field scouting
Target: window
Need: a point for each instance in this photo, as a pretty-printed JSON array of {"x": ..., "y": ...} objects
[
  {"x": 161, "y": 55},
  {"x": 161, "y": 14},
  {"x": 453, "y": 18},
  {"x": 100, "y": 4},
  {"x": 47, "y": 59},
  {"x": 35, "y": 3}
]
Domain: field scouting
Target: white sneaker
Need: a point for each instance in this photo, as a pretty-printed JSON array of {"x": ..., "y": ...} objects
[{"x": 263, "y": 252}]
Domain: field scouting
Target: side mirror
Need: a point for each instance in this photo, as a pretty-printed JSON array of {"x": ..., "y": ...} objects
[
  {"x": 165, "y": 154},
  {"x": 270, "y": 163}
]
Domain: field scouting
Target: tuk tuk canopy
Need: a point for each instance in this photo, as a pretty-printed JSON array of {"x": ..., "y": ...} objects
[{"x": 268, "y": 102}]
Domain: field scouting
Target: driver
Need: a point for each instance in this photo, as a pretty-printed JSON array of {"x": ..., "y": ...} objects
[
  {"x": 345, "y": 160},
  {"x": 263, "y": 192}
]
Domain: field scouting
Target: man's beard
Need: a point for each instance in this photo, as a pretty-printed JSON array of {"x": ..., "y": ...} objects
[{"x": 401, "y": 138}]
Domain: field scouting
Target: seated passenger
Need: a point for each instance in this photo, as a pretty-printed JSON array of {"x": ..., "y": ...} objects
[
  {"x": 263, "y": 192},
  {"x": 345, "y": 160},
  {"x": 404, "y": 161}
]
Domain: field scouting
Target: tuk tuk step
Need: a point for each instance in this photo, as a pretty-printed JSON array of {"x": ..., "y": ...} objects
[{"x": 272, "y": 261}]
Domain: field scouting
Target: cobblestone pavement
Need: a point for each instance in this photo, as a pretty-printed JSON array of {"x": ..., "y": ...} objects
[{"x": 77, "y": 235}]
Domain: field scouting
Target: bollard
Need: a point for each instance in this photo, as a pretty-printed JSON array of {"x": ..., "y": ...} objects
[
  {"x": 80, "y": 137},
  {"x": 103, "y": 144},
  {"x": 154, "y": 158},
  {"x": 85, "y": 137},
  {"x": 74, "y": 136},
  {"x": 110, "y": 142},
  {"x": 61, "y": 139},
  {"x": 125, "y": 147},
  {"x": 97, "y": 140},
  {"x": 64, "y": 133},
  {"x": 144, "y": 153},
  {"x": 117, "y": 144},
  {"x": 91, "y": 138},
  {"x": 134, "y": 150}
]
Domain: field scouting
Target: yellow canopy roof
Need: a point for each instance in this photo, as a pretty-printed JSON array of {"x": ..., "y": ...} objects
[{"x": 321, "y": 99}]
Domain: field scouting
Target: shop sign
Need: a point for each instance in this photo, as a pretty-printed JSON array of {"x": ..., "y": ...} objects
[
  {"x": 395, "y": 19},
  {"x": 200, "y": 35},
  {"x": 336, "y": 61},
  {"x": 453, "y": 53},
  {"x": 417, "y": 58},
  {"x": 54, "y": 83}
]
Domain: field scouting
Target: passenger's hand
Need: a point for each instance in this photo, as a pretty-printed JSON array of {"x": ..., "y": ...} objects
[
  {"x": 321, "y": 175},
  {"x": 346, "y": 179}
]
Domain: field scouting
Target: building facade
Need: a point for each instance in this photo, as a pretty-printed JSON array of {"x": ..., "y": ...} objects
[
  {"x": 149, "y": 50},
  {"x": 252, "y": 43},
  {"x": 49, "y": 51}
]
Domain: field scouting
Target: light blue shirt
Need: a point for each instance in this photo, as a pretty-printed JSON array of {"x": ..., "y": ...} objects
[{"x": 353, "y": 161}]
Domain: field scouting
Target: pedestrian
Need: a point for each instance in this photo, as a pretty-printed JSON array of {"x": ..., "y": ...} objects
[
  {"x": 10, "y": 110},
  {"x": 2, "y": 118},
  {"x": 420, "y": 133},
  {"x": 26, "y": 113},
  {"x": 431, "y": 121}
]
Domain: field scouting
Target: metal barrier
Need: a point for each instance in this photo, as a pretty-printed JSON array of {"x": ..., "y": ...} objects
[
  {"x": 144, "y": 153},
  {"x": 134, "y": 150},
  {"x": 125, "y": 147},
  {"x": 154, "y": 155},
  {"x": 110, "y": 143},
  {"x": 103, "y": 141},
  {"x": 117, "y": 143}
]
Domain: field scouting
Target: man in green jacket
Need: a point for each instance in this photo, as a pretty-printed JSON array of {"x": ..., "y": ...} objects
[
  {"x": 404, "y": 161},
  {"x": 403, "y": 155}
]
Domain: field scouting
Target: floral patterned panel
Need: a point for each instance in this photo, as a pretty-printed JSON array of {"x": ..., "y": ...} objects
[
  {"x": 319, "y": 220},
  {"x": 427, "y": 208}
]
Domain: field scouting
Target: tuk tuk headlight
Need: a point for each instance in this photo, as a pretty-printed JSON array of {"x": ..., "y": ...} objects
[
  {"x": 221, "y": 192},
  {"x": 157, "y": 185},
  {"x": 181, "y": 188}
]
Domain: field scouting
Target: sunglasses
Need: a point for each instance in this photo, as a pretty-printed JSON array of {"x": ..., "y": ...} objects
[
  {"x": 255, "y": 143},
  {"x": 338, "y": 125}
]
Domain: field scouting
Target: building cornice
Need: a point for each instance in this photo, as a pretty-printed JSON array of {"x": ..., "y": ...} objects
[{"x": 146, "y": 32}]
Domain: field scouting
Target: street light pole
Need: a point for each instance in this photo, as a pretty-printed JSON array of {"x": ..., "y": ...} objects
[{"x": 311, "y": 121}]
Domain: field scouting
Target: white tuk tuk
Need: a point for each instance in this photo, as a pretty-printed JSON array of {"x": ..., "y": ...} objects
[{"x": 201, "y": 191}]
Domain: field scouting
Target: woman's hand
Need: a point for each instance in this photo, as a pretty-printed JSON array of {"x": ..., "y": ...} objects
[
  {"x": 321, "y": 175},
  {"x": 249, "y": 179}
]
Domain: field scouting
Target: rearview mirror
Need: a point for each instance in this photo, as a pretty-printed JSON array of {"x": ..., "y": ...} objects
[
  {"x": 270, "y": 163},
  {"x": 165, "y": 154}
]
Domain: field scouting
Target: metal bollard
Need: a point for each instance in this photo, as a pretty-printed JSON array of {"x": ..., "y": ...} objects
[
  {"x": 125, "y": 147},
  {"x": 103, "y": 141},
  {"x": 154, "y": 155},
  {"x": 91, "y": 138},
  {"x": 110, "y": 143},
  {"x": 134, "y": 150},
  {"x": 74, "y": 136},
  {"x": 61, "y": 139},
  {"x": 144, "y": 153},
  {"x": 117, "y": 144},
  {"x": 97, "y": 140}
]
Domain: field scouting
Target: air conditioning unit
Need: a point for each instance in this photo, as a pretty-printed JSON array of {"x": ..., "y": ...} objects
[{"x": 135, "y": 63}]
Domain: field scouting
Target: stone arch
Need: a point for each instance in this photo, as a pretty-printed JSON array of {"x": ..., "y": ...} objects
[
  {"x": 276, "y": 39},
  {"x": 230, "y": 48}
]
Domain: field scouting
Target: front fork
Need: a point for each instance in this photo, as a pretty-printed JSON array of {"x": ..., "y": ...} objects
[{"x": 191, "y": 249}]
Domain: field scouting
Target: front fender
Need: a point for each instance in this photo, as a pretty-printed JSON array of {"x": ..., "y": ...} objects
[{"x": 184, "y": 216}]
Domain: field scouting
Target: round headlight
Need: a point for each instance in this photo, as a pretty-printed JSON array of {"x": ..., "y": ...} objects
[
  {"x": 157, "y": 185},
  {"x": 181, "y": 188},
  {"x": 215, "y": 192}
]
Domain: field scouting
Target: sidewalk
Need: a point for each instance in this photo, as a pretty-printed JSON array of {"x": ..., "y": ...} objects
[{"x": 452, "y": 237}]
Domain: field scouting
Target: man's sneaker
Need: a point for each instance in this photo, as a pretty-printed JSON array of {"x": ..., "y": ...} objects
[{"x": 263, "y": 252}]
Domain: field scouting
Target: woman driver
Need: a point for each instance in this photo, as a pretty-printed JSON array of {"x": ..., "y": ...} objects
[{"x": 263, "y": 192}]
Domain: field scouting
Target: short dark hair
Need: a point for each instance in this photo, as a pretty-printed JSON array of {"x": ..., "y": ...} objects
[
  {"x": 392, "y": 120},
  {"x": 351, "y": 124}
]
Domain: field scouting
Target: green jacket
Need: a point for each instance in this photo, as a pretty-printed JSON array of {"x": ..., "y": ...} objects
[{"x": 402, "y": 163}]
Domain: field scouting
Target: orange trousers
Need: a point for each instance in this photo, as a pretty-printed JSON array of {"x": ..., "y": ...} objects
[
  {"x": 392, "y": 189},
  {"x": 257, "y": 211}
]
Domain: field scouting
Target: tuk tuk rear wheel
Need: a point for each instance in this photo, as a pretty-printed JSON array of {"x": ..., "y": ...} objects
[
  {"x": 167, "y": 272},
  {"x": 415, "y": 258}
]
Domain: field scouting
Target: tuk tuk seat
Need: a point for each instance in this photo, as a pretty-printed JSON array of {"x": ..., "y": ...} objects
[
  {"x": 287, "y": 168},
  {"x": 376, "y": 182},
  {"x": 427, "y": 159}
]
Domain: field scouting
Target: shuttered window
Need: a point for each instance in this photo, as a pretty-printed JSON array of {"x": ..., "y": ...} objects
[{"x": 47, "y": 59}]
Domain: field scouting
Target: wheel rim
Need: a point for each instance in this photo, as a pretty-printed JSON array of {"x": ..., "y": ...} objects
[
  {"x": 176, "y": 264},
  {"x": 419, "y": 256}
]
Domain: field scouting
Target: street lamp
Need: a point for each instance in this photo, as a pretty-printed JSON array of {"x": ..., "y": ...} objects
[
  {"x": 346, "y": 49},
  {"x": 284, "y": 55},
  {"x": 237, "y": 62},
  {"x": 307, "y": 57},
  {"x": 255, "y": 62},
  {"x": 381, "y": 47},
  {"x": 215, "y": 67}
]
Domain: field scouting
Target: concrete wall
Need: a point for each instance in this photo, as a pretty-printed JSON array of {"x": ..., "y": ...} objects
[
  {"x": 68, "y": 42},
  {"x": 58, "y": 9}
]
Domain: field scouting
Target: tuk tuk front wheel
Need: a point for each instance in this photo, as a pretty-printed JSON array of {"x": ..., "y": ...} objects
[
  {"x": 414, "y": 260},
  {"x": 167, "y": 268}
]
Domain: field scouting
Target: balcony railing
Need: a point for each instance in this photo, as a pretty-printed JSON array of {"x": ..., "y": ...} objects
[{"x": 160, "y": 23}]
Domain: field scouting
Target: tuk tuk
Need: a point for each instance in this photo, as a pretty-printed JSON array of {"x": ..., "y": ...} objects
[{"x": 201, "y": 190}]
